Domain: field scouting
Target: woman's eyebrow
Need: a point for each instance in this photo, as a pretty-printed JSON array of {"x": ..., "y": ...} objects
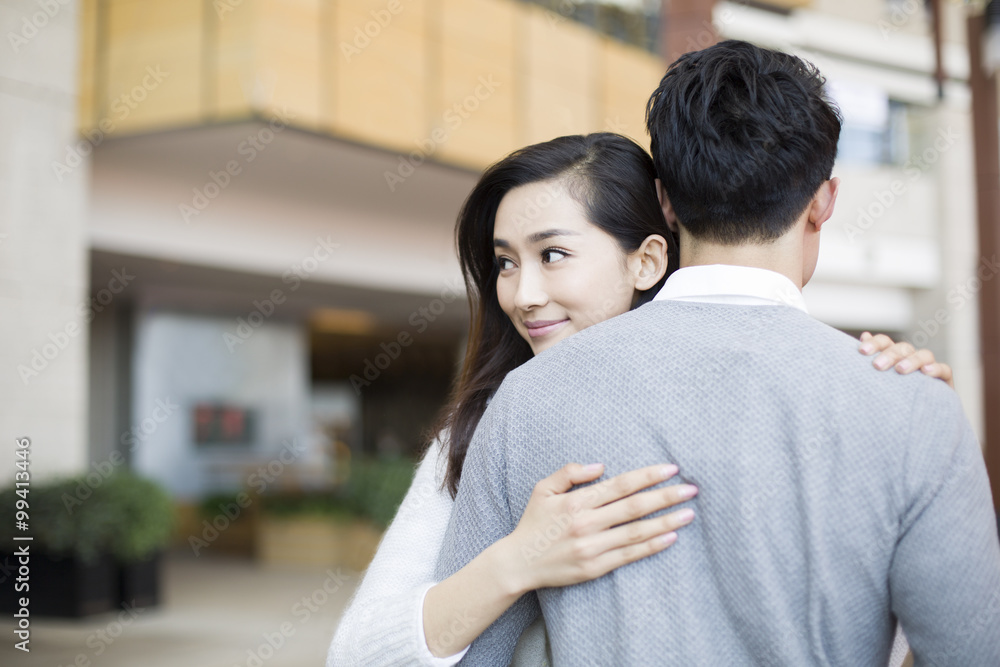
[{"x": 538, "y": 236}]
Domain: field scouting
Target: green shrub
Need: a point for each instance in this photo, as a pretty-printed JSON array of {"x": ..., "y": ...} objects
[
  {"x": 375, "y": 487},
  {"x": 373, "y": 490},
  {"x": 124, "y": 516}
]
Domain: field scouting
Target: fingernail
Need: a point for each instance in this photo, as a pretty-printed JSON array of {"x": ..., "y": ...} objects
[
  {"x": 685, "y": 516},
  {"x": 593, "y": 467},
  {"x": 667, "y": 540},
  {"x": 666, "y": 472},
  {"x": 881, "y": 363},
  {"x": 903, "y": 366},
  {"x": 867, "y": 348},
  {"x": 687, "y": 491}
]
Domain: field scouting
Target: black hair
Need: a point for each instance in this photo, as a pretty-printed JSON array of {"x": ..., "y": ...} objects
[
  {"x": 742, "y": 137},
  {"x": 613, "y": 179}
]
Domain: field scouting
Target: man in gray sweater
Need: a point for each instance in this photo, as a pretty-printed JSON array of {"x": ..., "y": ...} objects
[{"x": 833, "y": 499}]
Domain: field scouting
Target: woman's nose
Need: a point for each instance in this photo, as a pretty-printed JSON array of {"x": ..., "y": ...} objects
[{"x": 530, "y": 289}]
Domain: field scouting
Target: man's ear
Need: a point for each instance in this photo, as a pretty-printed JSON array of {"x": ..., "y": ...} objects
[
  {"x": 823, "y": 202},
  {"x": 668, "y": 210},
  {"x": 649, "y": 261}
]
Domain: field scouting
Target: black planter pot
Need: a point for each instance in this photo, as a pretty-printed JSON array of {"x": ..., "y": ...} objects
[
  {"x": 61, "y": 586},
  {"x": 139, "y": 582}
]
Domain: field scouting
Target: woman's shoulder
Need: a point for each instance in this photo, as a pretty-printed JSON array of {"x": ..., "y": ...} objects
[{"x": 435, "y": 459}]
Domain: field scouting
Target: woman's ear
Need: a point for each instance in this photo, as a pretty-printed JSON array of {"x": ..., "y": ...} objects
[
  {"x": 668, "y": 210},
  {"x": 649, "y": 261}
]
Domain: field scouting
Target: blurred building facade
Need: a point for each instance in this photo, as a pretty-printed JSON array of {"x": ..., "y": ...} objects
[{"x": 246, "y": 209}]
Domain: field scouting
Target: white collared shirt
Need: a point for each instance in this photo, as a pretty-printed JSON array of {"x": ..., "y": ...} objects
[{"x": 736, "y": 285}]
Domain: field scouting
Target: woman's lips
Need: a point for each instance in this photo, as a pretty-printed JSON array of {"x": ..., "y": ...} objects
[{"x": 544, "y": 327}]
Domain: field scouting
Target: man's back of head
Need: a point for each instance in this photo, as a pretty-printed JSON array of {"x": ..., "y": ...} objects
[{"x": 742, "y": 137}]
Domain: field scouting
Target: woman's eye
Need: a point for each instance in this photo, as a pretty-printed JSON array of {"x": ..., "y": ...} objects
[
  {"x": 550, "y": 255},
  {"x": 505, "y": 263}
]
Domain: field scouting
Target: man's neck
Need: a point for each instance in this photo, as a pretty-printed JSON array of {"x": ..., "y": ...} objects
[{"x": 783, "y": 256}]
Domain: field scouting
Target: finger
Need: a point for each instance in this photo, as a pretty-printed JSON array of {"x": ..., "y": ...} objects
[
  {"x": 893, "y": 354},
  {"x": 623, "y": 485},
  {"x": 940, "y": 371},
  {"x": 640, "y": 504},
  {"x": 615, "y": 558},
  {"x": 918, "y": 359},
  {"x": 568, "y": 476},
  {"x": 635, "y": 532},
  {"x": 876, "y": 343}
]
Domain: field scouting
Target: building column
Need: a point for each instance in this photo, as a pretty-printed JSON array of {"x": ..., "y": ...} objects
[
  {"x": 987, "y": 160},
  {"x": 685, "y": 25},
  {"x": 43, "y": 243}
]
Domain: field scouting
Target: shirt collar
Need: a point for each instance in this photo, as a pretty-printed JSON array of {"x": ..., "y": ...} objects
[{"x": 726, "y": 283}]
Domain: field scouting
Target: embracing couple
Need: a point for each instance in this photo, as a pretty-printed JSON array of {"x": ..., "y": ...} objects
[{"x": 645, "y": 317}]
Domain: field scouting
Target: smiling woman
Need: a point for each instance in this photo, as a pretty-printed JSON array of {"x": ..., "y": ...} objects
[
  {"x": 567, "y": 230},
  {"x": 558, "y": 273}
]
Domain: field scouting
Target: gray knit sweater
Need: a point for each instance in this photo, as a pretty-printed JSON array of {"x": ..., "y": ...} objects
[{"x": 833, "y": 499}]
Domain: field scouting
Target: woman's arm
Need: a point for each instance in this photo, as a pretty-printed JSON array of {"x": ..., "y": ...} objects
[
  {"x": 591, "y": 540},
  {"x": 381, "y": 626},
  {"x": 399, "y": 613},
  {"x": 904, "y": 357}
]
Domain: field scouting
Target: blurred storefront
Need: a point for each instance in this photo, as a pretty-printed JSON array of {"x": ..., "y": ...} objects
[{"x": 263, "y": 196}]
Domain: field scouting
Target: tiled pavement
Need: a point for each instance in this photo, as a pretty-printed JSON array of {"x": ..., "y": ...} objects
[{"x": 215, "y": 612}]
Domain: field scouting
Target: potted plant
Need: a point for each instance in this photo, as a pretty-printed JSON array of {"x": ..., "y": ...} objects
[
  {"x": 142, "y": 528},
  {"x": 342, "y": 526},
  {"x": 90, "y": 536},
  {"x": 71, "y": 572}
]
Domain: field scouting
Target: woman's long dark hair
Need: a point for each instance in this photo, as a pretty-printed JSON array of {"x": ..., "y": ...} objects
[{"x": 612, "y": 178}]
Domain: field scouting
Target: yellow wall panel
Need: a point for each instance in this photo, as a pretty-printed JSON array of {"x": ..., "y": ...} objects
[
  {"x": 560, "y": 51},
  {"x": 154, "y": 63},
  {"x": 289, "y": 46},
  {"x": 476, "y": 108},
  {"x": 552, "y": 112},
  {"x": 558, "y": 77},
  {"x": 133, "y": 18},
  {"x": 477, "y": 74},
  {"x": 480, "y": 27},
  {"x": 235, "y": 84},
  {"x": 381, "y": 90},
  {"x": 630, "y": 77},
  {"x": 492, "y": 75}
]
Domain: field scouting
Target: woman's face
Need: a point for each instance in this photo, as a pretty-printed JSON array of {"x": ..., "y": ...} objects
[{"x": 559, "y": 273}]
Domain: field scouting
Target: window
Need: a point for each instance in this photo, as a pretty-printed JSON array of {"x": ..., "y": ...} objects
[
  {"x": 875, "y": 129},
  {"x": 634, "y": 22}
]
